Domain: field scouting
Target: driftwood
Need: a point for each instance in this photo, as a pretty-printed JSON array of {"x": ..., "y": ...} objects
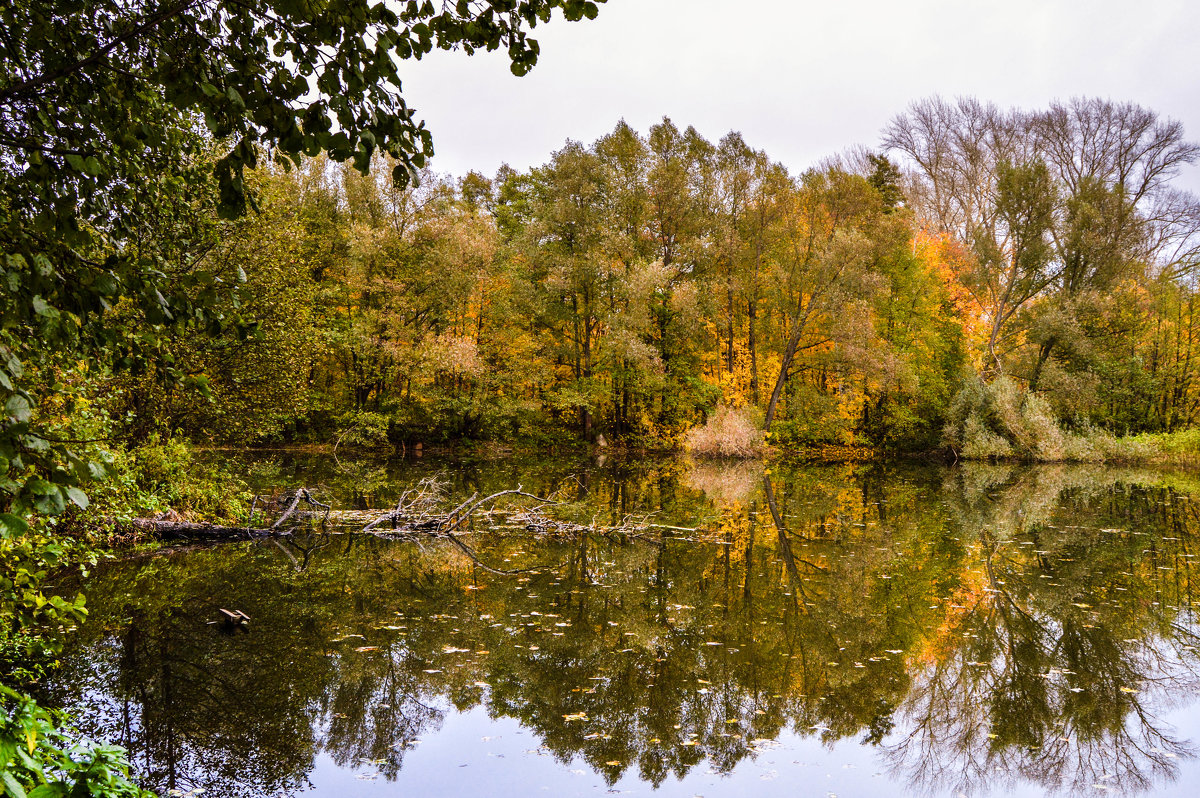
[
  {"x": 415, "y": 517},
  {"x": 415, "y": 513},
  {"x": 171, "y": 526},
  {"x": 186, "y": 530}
]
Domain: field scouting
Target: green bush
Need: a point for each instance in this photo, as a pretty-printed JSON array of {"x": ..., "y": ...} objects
[
  {"x": 162, "y": 475},
  {"x": 30, "y": 621},
  {"x": 980, "y": 443},
  {"x": 811, "y": 419},
  {"x": 38, "y": 758},
  {"x": 362, "y": 429}
]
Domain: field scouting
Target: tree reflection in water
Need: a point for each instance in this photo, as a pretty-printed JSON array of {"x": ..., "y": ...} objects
[{"x": 983, "y": 627}]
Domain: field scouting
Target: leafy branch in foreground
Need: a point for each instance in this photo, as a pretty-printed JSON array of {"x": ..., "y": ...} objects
[
  {"x": 40, "y": 760},
  {"x": 125, "y": 130}
]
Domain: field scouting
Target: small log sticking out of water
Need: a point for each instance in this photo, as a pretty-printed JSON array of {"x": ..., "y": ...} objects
[
  {"x": 234, "y": 617},
  {"x": 414, "y": 513},
  {"x": 301, "y": 493}
]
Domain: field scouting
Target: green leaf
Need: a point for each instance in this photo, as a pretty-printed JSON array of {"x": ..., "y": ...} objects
[
  {"x": 19, "y": 407},
  {"x": 48, "y": 791},
  {"x": 40, "y": 486},
  {"x": 106, "y": 284},
  {"x": 78, "y": 497},
  {"x": 51, "y": 502},
  {"x": 12, "y": 525},
  {"x": 11, "y": 786}
]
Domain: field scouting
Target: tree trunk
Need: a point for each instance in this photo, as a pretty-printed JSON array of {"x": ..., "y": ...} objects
[
  {"x": 752, "y": 346},
  {"x": 1043, "y": 356},
  {"x": 788, "y": 355}
]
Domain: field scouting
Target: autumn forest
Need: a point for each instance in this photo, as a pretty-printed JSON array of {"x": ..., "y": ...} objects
[{"x": 998, "y": 282}]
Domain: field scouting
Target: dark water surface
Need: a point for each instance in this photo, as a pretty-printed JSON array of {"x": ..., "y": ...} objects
[{"x": 835, "y": 630}]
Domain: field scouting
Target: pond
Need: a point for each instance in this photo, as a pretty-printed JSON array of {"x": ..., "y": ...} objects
[{"x": 827, "y": 630}]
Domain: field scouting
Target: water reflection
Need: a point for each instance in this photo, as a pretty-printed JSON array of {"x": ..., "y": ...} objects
[{"x": 983, "y": 628}]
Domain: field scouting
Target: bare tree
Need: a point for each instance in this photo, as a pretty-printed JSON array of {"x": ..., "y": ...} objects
[{"x": 1056, "y": 203}]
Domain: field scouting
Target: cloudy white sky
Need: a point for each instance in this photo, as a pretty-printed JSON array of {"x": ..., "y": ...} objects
[{"x": 801, "y": 80}]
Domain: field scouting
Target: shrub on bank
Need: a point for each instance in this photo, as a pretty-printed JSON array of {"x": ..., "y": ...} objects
[
  {"x": 728, "y": 432},
  {"x": 161, "y": 475},
  {"x": 1000, "y": 421},
  {"x": 39, "y": 757}
]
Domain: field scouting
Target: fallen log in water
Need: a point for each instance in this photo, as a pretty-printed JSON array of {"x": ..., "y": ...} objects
[
  {"x": 187, "y": 530},
  {"x": 414, "y": 517}
]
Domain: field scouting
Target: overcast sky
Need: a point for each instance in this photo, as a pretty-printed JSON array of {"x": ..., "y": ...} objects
[{"x": 801, "y": 80}]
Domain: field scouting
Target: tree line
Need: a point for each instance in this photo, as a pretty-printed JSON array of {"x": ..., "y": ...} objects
[{"x": 629, "y": 287}]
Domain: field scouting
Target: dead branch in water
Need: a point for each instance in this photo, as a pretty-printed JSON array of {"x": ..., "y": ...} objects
[
  {"x": 413, "y": 509},
  {"x": 301, "y": 493},
  {"x": 414, "y": 518}
]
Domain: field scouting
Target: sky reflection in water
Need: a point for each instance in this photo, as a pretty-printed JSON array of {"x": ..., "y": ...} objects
[{"x": 855, "y": 630}]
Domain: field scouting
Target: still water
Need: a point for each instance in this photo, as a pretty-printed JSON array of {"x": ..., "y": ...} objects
[{"x": 837, "y": 630}]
